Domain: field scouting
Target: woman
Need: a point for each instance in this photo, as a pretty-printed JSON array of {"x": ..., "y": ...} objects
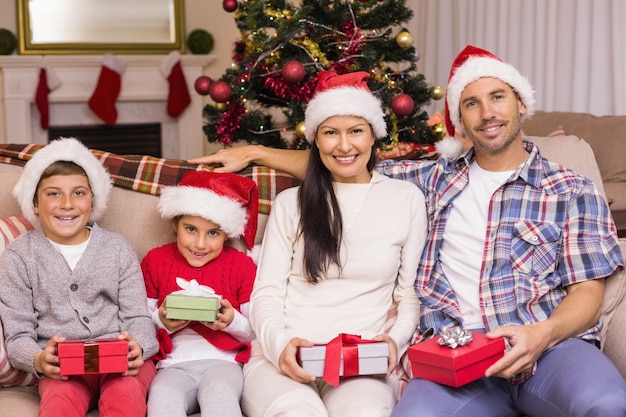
[{"x": 339, "y": 253}]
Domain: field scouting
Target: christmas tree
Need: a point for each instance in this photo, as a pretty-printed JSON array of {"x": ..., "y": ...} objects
[{"x": 261, "y": 99}]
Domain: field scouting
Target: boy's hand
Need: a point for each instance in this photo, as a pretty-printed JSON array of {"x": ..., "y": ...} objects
[
  {"x": 171, "y": 325},
  {"x": 135, "y": 358},
  {"x": 224, "y": 317},
  {"x": 46, "y": 361}
]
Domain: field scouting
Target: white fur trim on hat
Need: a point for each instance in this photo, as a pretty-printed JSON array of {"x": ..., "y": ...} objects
[
  {"x": 183, "y": 200},
  {"x": 64, "y": 149},
  {"x": 344, "y": 101},
  {"x": 478, "y": 67}
]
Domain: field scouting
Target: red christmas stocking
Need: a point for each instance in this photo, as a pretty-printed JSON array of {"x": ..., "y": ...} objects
[
  {"x": 178, "y": 98},
  {"x": 48, "y": 81},
  {"x": 102, "y": 101}
]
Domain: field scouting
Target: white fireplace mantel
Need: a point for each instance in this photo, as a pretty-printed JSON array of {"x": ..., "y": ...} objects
[{"x": 142, "y": 82}]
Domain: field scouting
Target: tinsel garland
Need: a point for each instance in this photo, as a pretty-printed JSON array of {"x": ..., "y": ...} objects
[
  {"x": 276, "y": 84},
  {"x": 229, "y": 123}
]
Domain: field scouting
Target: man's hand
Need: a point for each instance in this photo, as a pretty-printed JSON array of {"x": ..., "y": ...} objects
[
  {"x": 135, "y": 352},
  {"x": 46, "y": 361},
  {"x": 288, "y": 364},
  {"x": 527, "y": 344}
]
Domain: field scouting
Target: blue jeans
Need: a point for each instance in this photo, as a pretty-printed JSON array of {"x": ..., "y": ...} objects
[{"x": 573, "y": 379}]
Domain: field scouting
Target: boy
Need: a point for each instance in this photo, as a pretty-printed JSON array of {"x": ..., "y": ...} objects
[{"x": 70, "y": 279}]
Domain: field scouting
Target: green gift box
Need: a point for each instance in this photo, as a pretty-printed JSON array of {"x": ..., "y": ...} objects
[{"x": 187, "y": 307}]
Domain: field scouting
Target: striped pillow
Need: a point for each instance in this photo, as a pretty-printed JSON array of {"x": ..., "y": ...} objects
[{"x": 10, "y": 228}]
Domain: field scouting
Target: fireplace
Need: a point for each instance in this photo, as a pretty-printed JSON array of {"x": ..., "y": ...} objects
[
  {"x": 127, "y": 139},
  {"x": 143, "y": 98}
]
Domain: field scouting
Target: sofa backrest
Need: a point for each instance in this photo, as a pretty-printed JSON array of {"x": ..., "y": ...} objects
[
  {"x": 573, "y": 153},
  {"x": 605, "y": 134}
]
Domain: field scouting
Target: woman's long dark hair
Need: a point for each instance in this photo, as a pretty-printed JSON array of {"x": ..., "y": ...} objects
[{"x": 320, "y": 217}]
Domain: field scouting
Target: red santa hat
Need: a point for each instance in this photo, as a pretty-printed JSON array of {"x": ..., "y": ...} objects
[
  {"x": 69, "y": 150},
  {"x": 343, "y": 95},
  {"x": 473, "y": 63},
  {"x": 229, "y": 200}
]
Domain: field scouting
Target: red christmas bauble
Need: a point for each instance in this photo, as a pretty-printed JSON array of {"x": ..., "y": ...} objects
[
  {"x": 293, "y": 72},
  {"x": 402, "y": 105},
  {"x": 202, "y": 85},
  {"x": 230, "y": 5},
  {"x": 220, "y": 91}
]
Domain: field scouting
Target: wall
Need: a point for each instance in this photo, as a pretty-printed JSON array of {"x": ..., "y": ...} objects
[{"x": 200, "y": 14}]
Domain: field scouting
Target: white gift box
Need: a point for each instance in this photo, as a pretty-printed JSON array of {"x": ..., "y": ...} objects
[{"x": 373, "y": 359}]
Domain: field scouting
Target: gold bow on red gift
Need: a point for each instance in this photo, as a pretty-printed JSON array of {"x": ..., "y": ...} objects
[{"x": 346, "y": 346}]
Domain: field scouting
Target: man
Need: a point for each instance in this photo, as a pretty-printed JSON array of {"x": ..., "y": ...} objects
[{"x": 520, "y": 250}]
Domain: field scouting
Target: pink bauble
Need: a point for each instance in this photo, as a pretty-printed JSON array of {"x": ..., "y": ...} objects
[
  {"x": 202, "y": 85},
  {"x": 230, "y": 5},
  {"x": 220, "y": 91},
  {"x": 402, "y": 105},
  {"x": 293, "y": 72}
]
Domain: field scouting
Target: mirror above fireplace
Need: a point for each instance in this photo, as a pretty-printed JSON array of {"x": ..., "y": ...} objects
[{"x": 96, "y": 26}]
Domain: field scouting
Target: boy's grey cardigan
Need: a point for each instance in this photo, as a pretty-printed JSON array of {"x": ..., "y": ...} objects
[{"x": 40, "y": 296}]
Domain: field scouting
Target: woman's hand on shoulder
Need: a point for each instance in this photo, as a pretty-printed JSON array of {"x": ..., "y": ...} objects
[
  {"x": 46, "y": 361},
  {"x": 393, "y": 349},
  {"x": 288, "y": 363},
  {"x": 229, "y": 160}
]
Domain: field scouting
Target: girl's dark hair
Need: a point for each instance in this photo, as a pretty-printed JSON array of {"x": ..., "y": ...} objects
[
  {"x": 60, "y": 168},
  {"x": 320, "y": 217}
]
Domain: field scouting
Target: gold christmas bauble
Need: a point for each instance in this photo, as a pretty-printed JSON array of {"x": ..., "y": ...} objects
[
  {"x": 437, "y": 92},
  {"x": 404, "y": 39},
  {"x": 300, "y": 130},
  {"x": 222, "y": 107},
  {"x": 439, "y": 130}
]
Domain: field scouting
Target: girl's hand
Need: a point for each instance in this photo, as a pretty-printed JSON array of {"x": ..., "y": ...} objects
[
  {"x": 224, "y": 317},
  {"x": 171, "y": 325}
]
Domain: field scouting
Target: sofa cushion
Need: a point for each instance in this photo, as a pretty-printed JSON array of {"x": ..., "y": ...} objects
[
  {"x": 613, "y": 293},
  {"x": 10, "y": 228},
  {"x": 605, "y": 134},
  {"x": 578, "y": 157}
]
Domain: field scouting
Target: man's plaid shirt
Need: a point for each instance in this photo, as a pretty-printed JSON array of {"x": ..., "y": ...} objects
[{"x": 548, "y": 227}]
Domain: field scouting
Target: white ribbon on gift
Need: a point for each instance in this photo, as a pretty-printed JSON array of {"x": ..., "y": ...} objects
[{"x": 193, "y": 288}]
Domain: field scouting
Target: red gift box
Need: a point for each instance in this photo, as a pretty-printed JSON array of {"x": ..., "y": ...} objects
[
  {"x": 455, "y": 367},
  {"x": 100, "y": 356}
]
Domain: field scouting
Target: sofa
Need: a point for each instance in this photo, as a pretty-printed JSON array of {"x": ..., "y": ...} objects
[
  {"x": 132, "y": 212},
  {"x": 607, "y": 137}
]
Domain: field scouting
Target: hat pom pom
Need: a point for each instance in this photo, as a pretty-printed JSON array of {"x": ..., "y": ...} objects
[{"x": 449, "y": 148}]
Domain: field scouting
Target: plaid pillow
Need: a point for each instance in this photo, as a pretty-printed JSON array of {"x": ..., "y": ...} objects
[{"x": 11, "y": 228}]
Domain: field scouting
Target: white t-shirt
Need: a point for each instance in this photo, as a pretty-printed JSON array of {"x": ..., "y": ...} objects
[{"x": 462, "y": 249}]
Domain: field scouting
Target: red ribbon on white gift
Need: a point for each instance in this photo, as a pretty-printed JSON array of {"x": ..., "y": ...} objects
[{"x": 348, "y": 344}]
